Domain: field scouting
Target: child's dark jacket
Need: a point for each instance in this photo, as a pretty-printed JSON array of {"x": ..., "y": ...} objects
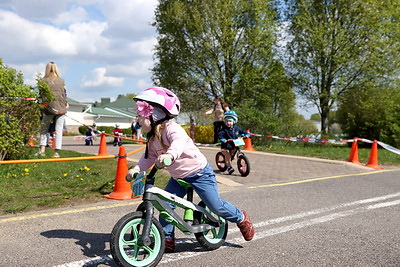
[{"x": 231, "y": 133}]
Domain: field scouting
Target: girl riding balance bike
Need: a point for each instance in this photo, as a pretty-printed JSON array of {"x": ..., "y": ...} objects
[{"x": 156, "y": 108}]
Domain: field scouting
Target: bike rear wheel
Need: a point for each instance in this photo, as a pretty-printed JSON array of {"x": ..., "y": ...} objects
[
  {"x": 124, "y": 242},
  {"x": 220, "y": 161},
  {"x": 210, "y": 239},
  {"x": 243, "y": 165}
]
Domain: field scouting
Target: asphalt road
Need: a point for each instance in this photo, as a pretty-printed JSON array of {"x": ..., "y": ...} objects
[{"x": 306, "y": 212}]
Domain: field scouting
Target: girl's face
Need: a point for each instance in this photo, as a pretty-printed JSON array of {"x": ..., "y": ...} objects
[{"x": 145, "y": 124}]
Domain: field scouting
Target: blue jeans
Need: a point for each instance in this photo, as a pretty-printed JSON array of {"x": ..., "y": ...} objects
[{"x": 205, "y": 185}]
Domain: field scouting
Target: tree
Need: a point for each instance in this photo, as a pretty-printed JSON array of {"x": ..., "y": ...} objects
[
  {"x": 214, "y": 48},
  {"x": 372, "y": 113},
  {"x": 272, "y": 112},
  {"x": 19, "y": 118},
  {"x": 339, "y": 45}
]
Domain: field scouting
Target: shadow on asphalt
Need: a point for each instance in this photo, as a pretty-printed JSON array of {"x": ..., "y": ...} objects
[{"x": 92, "y": 244}]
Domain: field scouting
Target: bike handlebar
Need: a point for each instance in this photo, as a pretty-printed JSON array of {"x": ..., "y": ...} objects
[
  {"x": 231, "y": 140},
  {"x": 166, "y": 162}
]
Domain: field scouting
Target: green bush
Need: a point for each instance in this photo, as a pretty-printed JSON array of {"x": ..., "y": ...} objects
[
  {"x": 202, "y": 134},
  {"x": 19, "y": 118}
]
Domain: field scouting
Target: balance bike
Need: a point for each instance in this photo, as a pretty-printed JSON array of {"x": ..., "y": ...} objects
[
  {"x": 137, "y": 239},
  {"x": 243, "y": 163}
]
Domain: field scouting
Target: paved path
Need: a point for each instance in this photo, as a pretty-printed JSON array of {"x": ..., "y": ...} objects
[{"x": 265, "y": 167}]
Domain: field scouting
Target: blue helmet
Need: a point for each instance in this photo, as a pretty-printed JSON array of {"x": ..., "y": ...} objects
[{"x": 231, "y": 115}]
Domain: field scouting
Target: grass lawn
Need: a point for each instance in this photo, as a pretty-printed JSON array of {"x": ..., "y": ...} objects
[
  {"x": 35, "y": 186},
  {"x": 329, "y": 151}
]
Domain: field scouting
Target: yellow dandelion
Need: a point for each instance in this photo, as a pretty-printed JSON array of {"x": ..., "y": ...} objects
[
  {"x": 81, "y": 179},
  {"x": 14, "y": 175},
  {"x": 26, "y": 170},
  {"x": 77, "y": 176},
  {"x": 65, "y": 174}
]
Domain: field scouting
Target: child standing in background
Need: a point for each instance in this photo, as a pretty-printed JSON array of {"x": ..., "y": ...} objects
[{"x": 117, "y": 133}]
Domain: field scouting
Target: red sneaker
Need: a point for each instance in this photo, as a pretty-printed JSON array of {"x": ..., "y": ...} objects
[
  {"x": 169, "y": 245},
  {"x": 246, "y": 227}
]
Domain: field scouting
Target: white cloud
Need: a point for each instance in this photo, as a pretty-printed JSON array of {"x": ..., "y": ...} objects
[
  {"x": 100, "y": 79},
  {"x": 136, "y": 69},
  {"x": 38, "y": 9},
  {"x": 143, "y": 84},
  {"x": 27, "y": 41},
  {"x": 75, "y": 15},
  {"x": 129, "y": 19},
  {"x": 87, "y": 38},
  {"x": 102, "y": 47}
]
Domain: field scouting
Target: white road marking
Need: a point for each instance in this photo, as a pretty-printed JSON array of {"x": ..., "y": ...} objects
[{"x": 270, "y": 232}]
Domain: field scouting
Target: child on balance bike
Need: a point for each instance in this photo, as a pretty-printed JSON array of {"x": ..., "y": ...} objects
[
  {"x": 229, "y": 132},
  {"x": 156, "y": 108}
]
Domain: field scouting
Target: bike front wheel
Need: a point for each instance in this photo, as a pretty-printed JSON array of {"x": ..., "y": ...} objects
[
  {"x": 124, "y": 242},
  {"x": 220, "y": 161},
  {"x": 243, "y": 165},
  {"x": 210, "y": 239}
]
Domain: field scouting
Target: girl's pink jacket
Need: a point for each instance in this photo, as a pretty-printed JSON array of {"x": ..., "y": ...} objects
[{"x": 187, "y": 157}]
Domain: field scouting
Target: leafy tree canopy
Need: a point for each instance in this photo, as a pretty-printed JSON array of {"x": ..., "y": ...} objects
[
  {"x": 339, "y": 45},
  {"x": 214, "y": 48}
]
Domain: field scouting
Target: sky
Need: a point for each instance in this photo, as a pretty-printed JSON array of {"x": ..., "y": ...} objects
[{"x": 103, "y": 48}]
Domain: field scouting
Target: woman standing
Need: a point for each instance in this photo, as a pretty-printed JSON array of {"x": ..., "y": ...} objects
[
  {"x": 55, "y": 110},
  {"x": 220, "y": 107}
]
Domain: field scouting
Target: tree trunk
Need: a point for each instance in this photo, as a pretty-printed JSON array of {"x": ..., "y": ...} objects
[{"x": 324, "y": 120}]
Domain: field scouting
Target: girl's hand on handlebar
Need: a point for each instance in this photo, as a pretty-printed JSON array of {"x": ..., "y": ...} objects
[
  {"x": 164, "y": 160},
  {"x": 131, "y": 174}
]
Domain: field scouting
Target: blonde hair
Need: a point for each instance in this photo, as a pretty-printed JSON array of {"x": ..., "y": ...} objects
[
  {"x": 158, "y": 130},
  {"x": 51, "y": 70}
]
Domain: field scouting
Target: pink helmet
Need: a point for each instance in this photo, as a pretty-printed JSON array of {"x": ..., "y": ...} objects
[{"x": 161, "y": 97}]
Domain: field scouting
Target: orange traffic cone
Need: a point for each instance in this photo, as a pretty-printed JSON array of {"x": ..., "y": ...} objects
[
  {"x": 247, "y": 143},
  {"x": 103, "y": 146},
  {"x": 122, "y": 188},
  {"x": 140, "y": 141},
  {"x": 373, "y": 157},
  {"x": 354, "y": 152},
  {"x": 31, "y": 142}
]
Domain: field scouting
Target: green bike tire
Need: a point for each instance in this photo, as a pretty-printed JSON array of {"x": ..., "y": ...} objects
[
  {"x": 210, "y": 239},
  {"x": 124, "y": 245}
]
